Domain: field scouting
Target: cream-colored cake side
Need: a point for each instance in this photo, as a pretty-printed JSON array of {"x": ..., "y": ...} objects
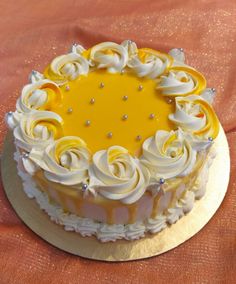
[
  {"x": 168, "y": 213},
  {"x": 157, "y": 198}
]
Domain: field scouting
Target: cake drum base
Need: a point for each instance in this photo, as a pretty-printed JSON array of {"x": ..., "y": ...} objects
[{"x": 121, "y": 250}]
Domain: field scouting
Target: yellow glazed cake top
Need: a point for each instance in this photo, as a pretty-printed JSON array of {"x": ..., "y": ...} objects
[
  {"x": 122, "y": 117},
  {"x": 107, "y": 109}
]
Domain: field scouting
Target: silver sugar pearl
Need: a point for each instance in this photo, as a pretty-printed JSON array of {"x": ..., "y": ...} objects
[
  {"x": 125, "y": 98},
  {"x": 138, "y": 137},
  {"x": 169, "y": 100},
  {"x": 87, "y": 122},
  {"x": 67, "y": 88},
  {"x": 125, "y": 117},
  {"x": 181, "y": 49},
  {"x": 140, "y": 87},
  {"x": 109, "y": 134},
  {"x": 10, "y": 113},
  {"x": 84, "y": 186},
  {"x": 213, "y": 90},
  {"x": 25, "y": 155},
  {"x": 92, "y": 101},
  {"x": 101, "y": 85},
  {"x": 70, "y": 110},
  {"x": 129, "y": 41},
  {"x": 152, "y": 116},
  {"x": 162, "y": 180},
  {"x": 210, "y": 139},
  {"x": 34, "y": 72}
]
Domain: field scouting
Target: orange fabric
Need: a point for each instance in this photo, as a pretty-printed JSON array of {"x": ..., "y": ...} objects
[{"x": 31, "y": 34}]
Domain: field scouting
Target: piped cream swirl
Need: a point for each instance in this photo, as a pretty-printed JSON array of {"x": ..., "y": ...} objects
[
  {"x": 38, "y": 129},
  {"x": 65, "y": 161},
  {"x": 40, "y": 95},
  {"x": 181, "y": 81},
  {"x": 109, "y": 55},
  {"x": 35, "y": 76},
  {"x": 149, "y": 63},
  {"x": 13, "y": 119},
  {"x": 197, "y": 117},
  {"x": 67, "y": 67},
  {"x": 168, "y": 155},
  {"x": 116, "y": 175}
]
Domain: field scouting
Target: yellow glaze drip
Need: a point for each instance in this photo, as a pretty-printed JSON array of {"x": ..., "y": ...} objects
[
  {"x": 106, "y": 113},
  {"x": 155, "y": 204},
  {"x": 110, "y": 215},
  {"x": 132, "y": 213}
]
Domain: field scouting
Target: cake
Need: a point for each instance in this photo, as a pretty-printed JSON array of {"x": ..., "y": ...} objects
[{"x": 115, "y": 141}]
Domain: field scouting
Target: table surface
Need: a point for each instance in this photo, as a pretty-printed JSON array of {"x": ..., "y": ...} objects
[{"x": 34, "y": 32}]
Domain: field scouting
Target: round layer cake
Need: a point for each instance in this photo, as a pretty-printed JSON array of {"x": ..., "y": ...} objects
[{"x": 115, "y": 141}]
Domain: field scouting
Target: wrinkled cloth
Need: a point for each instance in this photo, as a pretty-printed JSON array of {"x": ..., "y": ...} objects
[{"x": 34, "y": 32}]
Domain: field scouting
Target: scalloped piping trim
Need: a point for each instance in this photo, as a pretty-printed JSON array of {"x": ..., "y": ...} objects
[{"x": 104, "y": 232}]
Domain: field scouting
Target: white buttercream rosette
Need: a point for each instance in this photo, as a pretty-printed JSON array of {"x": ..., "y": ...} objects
[
  {"x": 168, "y": 155},
  {"x": 68, "y": 67},
  {"x": 109, "y": 55},
  {"x": 176, "y": 82},
  {"x": 37, "y": 129},
  {"x": 65, "y": 161},
  {"x": 37, "y": 95},
  {"x": 149, "y": 63},
  {"x": 181, "y": 81},
  {"x": 197, "y": 118},
  {"x": 118, "y": 176}
]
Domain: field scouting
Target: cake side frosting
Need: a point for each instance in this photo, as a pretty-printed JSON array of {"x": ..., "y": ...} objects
[{"x": 106, "y": 232}]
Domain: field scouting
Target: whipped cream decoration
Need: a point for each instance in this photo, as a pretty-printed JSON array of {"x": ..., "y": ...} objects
[
  {"x": 35, "y": 76},
  {"x": 38, "y": 95},
  {"x": 28, "y": 164},
  {"x": 131, "y": 47},
  {"x": 86, "y": 227},
  {"x": 176, "y": 83},
  {"x": 118, "y": 176},
  {"x": 197, "y": 117},
  {"x": 187, "y": 201},
  {"x": 77, "y": 48},
  {"x": 208, "y": 95},
  {"x": 67, "y": 67},
  {"x": 149, "y": 63},
  {"x": 157, "y": 224},
  {"x": 168, "y": 155},
  {"x": 175, "y": 213},
  {"x": 13, "y": 119},
  {"x": 38, "y": 129},
  {"x": 111, "y": 233},
  {"x": 199, "y": 188},
  {"x": 135, "y": 231},
  {"x": 181, "y": 80},
  {"x": 178, "y": 55},
  {"x": 109, "y": 55},
  {"x": 64, "y": 161}
]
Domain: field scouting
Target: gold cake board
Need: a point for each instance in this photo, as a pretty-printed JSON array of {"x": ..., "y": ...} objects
[{"x": 121, "y": 250}]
